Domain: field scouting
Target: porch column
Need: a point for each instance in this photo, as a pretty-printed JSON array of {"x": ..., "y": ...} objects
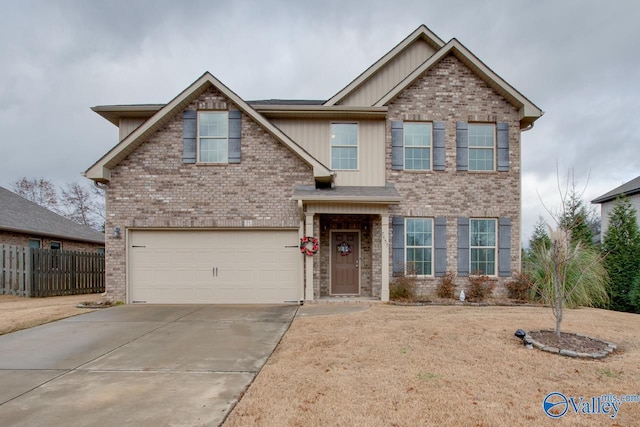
[
  {"x": 308, "y": 290},
  {"x": 384, "y": 237}
]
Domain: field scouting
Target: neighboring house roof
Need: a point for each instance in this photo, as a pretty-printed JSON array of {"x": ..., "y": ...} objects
[
  {"x": 101, "y": 170},
  {"x": 20, "y": 215},
  {"x": 628, "y": 189},
  {"x": 387, "y": 194}
]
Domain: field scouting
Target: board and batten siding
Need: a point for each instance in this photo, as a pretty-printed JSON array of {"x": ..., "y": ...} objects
[
  {"x": 392, "y": 74},
  {"x": 315, "y": 137},
  {"x": 128, "y": 125}
]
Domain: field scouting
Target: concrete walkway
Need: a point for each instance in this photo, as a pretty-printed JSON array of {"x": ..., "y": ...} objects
[{"x": 182, "y": 365}]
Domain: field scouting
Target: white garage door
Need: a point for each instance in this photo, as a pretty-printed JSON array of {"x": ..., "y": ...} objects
[{"x": 178, "y": 267}]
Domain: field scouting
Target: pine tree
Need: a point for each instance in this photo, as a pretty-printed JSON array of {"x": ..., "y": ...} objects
[
  {"x": 621, "y": 247},
  {"x": 577, "y": 220}
]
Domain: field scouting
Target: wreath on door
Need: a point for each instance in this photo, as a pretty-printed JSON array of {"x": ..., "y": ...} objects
[
  {"x": 344, "y": 249},
  {"x": 304, "y": 246}
]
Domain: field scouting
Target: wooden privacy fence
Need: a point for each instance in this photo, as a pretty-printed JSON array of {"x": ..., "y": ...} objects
[{"x": 49, "y": 272}]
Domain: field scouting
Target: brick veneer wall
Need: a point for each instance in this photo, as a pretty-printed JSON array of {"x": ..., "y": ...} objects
[
  {"x": 19, "y": 239},
  {"x": 450, "y": 92},
  {"x": 153, "y": 188}
]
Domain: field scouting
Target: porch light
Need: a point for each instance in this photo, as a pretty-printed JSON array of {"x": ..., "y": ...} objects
[{"x": 116, "y": 233}]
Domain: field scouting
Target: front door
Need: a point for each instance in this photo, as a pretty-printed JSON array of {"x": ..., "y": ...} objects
[{"x": 345, "y": 276}]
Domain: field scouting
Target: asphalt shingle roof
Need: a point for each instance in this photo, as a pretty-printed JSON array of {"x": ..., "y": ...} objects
[
  {"x": 628, "y": 188},
  {"x": 20, "y": 215}
]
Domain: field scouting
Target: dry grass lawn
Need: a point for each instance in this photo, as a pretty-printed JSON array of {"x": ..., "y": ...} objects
[
  {"x": 20, "y": 312},
  {"x": 438, "y": 366}
]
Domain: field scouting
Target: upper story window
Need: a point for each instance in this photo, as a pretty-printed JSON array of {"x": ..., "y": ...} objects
[
  {"x": 419, "y": 246},
  {"x": 344, "y": 146},
  {"x": 482, "y": 236},
  {"x": 481, "y": 147},
  {"x": 213, "y": 136},
  {"x": 417, "y": 146}
]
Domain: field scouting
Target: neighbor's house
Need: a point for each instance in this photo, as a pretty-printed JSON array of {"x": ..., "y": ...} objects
[
  {"x": 415, "y": 163},
  {"x": 607, "y": 201},
  {"x": 27, "y": 224}
]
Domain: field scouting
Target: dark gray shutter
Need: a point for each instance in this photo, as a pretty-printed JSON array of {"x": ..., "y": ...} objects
[
  {"x": 235, "y": 130},
  {"x": 438, "y": 146},
  {"x": 397, "y": 143},
  {"x": 503, "y": 146},
  {"x": 189, "y": 136},
  {"x": 440, "y": 245},
  {"x": 504, "y": 247},
  {"x": 463, "y": 246},
  {"x": 462, "y": 146},
  {"x": 397, "y": 224}
]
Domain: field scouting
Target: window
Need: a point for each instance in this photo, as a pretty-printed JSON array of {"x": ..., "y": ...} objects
[
  {"x": 481, "y": 147},
  {"x": 417, "y": 146},
  {"x": 344, "y": 146},
  {"x": 56, "y": 245},
  {"x": 482, "y": 235},
  {"x": 35, "y": 243},
  {"x": 419, "y": 246},
  {"x": 213, "y": 137},
  {"x": 101, "y": 251}
]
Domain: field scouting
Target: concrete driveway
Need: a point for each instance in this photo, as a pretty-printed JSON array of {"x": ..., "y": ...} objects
[{"x": 142, "y": 365}]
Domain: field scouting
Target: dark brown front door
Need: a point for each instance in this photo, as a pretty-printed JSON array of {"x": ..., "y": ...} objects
[{"x": 345, "y": 277}]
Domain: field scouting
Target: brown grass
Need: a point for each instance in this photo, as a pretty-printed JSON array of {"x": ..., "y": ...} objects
[
  {"x": 428, "y": 366},
  {"x": 20, "y": 312}
]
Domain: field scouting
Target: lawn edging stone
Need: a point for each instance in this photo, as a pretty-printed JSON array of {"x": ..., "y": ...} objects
[{"x": 610, "y": 348}]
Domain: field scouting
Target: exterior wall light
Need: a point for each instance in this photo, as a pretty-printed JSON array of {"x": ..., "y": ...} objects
[{"x": 116, "y": 233}]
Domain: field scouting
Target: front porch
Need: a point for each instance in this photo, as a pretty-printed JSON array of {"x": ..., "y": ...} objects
[{"x": 352, "y": 226}]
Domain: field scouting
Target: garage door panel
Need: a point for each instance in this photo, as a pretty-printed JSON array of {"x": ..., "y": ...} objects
[{"x": 214, "y": 266}]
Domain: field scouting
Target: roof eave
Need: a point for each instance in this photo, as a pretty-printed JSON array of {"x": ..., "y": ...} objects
[
  {"x": 421, "y": 32},
  {"x": 529, "y": 112},
  {"x": 54, "y": 235},
  {"x": 350, "y": 199}
]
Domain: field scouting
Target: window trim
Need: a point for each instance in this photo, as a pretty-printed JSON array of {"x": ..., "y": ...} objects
[
  {"x": 432, "y": 247},
  {"x": 495, "y": 246},
  {"x": 199, "y": 138},
  {"x": 55, "y": 241},
  {"x": 35, "y": 240},
  {"x": 494, "y": 148},
  {"x": 429, "y": 147},
  {"x": 357, "y": 146}
]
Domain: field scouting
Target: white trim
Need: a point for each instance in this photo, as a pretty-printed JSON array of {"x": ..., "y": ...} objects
[
  {"x": 359, "y": 260},
  {"x": 357, "y": 168},
  {"x": 475, "y": 147},
  {"x": 404, "y": 146},
  {"x": 432, "y": 245},
  {"x": 495, "y": 247},
  {"x": 198, "y": 137}
]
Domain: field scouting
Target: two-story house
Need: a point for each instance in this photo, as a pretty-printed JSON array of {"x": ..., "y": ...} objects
[{"x": 415, "y": 165}]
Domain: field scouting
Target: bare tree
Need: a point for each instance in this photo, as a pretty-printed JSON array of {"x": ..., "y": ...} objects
[
  {"x": 569, "y": 270},
  {"x": 83, "y": 205},
  {"x": 37, "y": 190}
]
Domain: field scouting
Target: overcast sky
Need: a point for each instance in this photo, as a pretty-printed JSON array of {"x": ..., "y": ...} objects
[{"x": 579, "y": 61}]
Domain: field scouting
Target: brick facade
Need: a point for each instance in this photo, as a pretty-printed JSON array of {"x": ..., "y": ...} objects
[
  {"x": 450, "y": 92},
  {"x": 153, "y": 188},
  {"x": 19, "y": 239}
]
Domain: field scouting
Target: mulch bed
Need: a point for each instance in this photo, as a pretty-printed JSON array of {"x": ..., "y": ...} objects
[{"x": 577, "y": 343}]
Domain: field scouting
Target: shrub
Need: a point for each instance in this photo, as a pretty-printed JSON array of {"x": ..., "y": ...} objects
[
  {"x": 480, "y": 287},
  {"x": 403, "y": 288},
  {"x": 446, "y": 288},
  {"x": 520, "y": 287}
]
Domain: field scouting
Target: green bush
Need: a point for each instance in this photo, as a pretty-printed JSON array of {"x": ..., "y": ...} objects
[
  {"x": 480, "y": 287},
  {"x": 447, "y": 286}
]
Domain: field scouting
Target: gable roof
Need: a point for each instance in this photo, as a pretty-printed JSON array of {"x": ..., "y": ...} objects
[
  {"x": 20, "y": 215},
  {"x": 628, "y": 189},
  {"x": 101, "y": 170},
  {"x": 422, "y": 32},
  {"x": 529, "y": 112}
]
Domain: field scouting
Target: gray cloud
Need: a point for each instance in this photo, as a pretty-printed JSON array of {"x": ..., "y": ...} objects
[{"x": 577, "y": 60}]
